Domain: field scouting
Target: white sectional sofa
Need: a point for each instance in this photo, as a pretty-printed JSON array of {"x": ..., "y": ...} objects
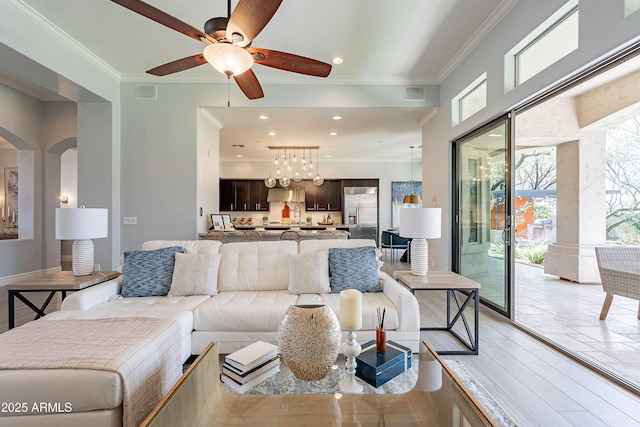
[
  {"x": 253, "y": 293},
  {"x": 253, "y": 288}
]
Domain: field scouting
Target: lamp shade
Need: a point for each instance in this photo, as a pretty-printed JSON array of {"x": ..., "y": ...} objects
[
  {"x": 81, "y": 223},
  {"x": 228, "y": 59},
  {"x": 420, "y": 223}
]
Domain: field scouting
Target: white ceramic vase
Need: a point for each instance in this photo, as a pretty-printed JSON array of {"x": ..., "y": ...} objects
[{"x": 309, "y": 338}]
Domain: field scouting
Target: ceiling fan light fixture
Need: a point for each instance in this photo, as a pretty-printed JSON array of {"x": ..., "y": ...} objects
[{"x": 228, "y": 59}]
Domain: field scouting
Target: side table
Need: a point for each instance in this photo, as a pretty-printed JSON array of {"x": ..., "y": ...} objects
[
  {"x": 61, "y": 281},
  {"x": 455, "y": 285}
]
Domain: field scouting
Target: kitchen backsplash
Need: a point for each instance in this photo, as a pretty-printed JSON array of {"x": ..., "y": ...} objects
[{"x": 275, "y": 215}]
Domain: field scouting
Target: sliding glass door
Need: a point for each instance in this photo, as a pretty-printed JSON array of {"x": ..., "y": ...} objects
[{"x": 482, "y": 219}]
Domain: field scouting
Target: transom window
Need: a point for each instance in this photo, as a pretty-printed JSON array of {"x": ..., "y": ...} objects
[
  {"x": 471, "y": 100},
  {"x": 551, "y": 41},
  {"x": 631, "y": 6}
]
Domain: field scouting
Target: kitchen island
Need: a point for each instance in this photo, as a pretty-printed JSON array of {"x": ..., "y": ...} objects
[{"x": 274, "y": 234}]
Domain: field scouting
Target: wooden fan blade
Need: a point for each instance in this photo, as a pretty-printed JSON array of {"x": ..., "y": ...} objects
[
  {"x": 163, "y": 18},
  {"x": 290, "y": 62},
  {"x": 249, "y": 18},
  {"x": 178, "y": 65},
  {"x": 249, "y": 84}
]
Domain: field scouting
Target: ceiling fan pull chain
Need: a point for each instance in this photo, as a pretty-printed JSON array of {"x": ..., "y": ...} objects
[{"x": 228, "y": 91}]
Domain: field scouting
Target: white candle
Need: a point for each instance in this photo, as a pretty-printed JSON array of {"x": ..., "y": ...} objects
[
  {"x": 13, "y": 218},
  {"x": 351, "y": 309}
]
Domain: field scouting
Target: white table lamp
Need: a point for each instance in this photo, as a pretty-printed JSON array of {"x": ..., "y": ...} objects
[
  {"x": 81, "y": 225},
  {"x": 420, "y": 224}
]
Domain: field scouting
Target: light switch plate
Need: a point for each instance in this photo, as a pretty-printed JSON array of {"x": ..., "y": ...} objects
[{"x": 130, "y": 220}]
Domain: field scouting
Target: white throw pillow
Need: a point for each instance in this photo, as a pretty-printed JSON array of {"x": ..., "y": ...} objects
[
  {"x": 309, "y": 273},
  {"x": 195, "y": 274}
]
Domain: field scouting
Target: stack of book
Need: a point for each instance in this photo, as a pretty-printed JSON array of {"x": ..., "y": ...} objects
[{"x": 244, "y": 369}]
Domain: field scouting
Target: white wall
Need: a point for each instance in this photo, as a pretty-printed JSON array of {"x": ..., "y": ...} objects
[
  {"x": 603, "y": 29},
  {"x": 69, "y": 177},
  {"x": 80, "y": 78},
  {"x": 161, "y": 149}
]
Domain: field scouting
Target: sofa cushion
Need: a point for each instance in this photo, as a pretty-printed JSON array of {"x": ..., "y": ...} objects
[
  {"x": 195, "y": 274},
  {"x": 309, "y": 273},
  {"x": 307, "y": 246},
  {"x": 89, "y": 390},
  {"x": 148, "y": 273},
  {"x": 243, "y": 311},
  {"x": 370, "y": 301},
  {"x": 184, "y": 318},
  {"x": 255, "y": 266},
  {"x": 312, "y": 245},
  {"x": 190, "y": 246},
  {"x": 152, "y": 303},
  {"x": 354, "y": 268}
]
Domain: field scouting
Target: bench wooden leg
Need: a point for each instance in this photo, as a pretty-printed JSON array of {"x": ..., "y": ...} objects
[{"x": 606, "y": 305}]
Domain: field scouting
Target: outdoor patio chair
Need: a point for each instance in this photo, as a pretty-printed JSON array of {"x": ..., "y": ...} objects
[{"x": 620, "y": 273}]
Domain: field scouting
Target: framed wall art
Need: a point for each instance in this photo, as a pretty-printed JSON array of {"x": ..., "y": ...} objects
[
  {"x": 399, "y": 189},
  {"x": 11, "y": 197}
]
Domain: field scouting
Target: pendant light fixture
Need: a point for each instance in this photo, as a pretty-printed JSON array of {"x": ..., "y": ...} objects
[
  {"x": 413, "y": 198},
  {"x": 291, "y": 168},
  {"x": 317, "y": 180},
  {"x": 271, "y": 181}
]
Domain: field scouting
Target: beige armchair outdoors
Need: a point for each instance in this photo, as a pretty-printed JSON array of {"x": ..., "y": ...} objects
[{"x": 620, "y": 273}]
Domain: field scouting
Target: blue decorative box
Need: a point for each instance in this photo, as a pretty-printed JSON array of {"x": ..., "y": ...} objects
[{"x": 378, "y": 368}]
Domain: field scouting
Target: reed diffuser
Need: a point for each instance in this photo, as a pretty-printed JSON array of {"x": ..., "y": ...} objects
[{"x": 381, "y": 334}]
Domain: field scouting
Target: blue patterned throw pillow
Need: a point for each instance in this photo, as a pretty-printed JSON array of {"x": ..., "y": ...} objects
[
  {"x": 354, "y": 268},
  {"x": 148, "y": 273}
]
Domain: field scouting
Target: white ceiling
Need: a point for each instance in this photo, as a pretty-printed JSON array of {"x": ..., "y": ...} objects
[{"x": 407, "y": 42}]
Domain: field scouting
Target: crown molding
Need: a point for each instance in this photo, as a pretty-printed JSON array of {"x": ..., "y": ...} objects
[
  {"x": 498, "y": 14},
  {"x": 49, "y": 27},
  {"x": 430, "y": 115},
  {"x": 205, "y": 113},
  {"x": 293, "y": 79}
]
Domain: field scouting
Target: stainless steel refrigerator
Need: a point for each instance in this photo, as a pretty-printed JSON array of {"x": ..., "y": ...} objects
[{"x": 360, "y": 212}]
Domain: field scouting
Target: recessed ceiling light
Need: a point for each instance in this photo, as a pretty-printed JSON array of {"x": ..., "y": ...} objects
[
  {"x": 336, "y": 60},
  {"x": 333, "y": 133},
  {"x": 272, "y": 133},
  {"x": 263, "y": 117},
  {"x": 238, "y": 155},
  {"x": 328, "y": 156},
  {"x": 337, "y": 118}
]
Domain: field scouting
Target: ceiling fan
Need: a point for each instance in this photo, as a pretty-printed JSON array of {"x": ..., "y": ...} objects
[{"x": 228, "y": 43}]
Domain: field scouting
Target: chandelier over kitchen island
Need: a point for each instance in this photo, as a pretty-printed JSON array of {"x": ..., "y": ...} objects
[{"x": 292, "y": 163}]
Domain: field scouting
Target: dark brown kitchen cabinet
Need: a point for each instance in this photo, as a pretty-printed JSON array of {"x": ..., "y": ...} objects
[
  {"x": 227, "y": 195},
  {"x": 258, "y": 193},
  {"x": 243, "y": 195},
  {"x": 325, "y": 197}
]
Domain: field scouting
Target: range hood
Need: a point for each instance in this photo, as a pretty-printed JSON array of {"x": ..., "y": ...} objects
[{"x": 286, "y": 195}]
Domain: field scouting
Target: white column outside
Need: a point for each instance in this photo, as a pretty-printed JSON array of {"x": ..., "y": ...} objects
[{"x": 581, "y": 215}]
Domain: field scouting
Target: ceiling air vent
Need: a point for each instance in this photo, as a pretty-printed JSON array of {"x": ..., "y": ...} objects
[
  {"x": 146, "y": 92},
  {"x": 415, "y": 93}
]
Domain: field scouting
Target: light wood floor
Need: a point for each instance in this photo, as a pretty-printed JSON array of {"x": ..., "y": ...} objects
[{"x": 535, "y": 384}]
